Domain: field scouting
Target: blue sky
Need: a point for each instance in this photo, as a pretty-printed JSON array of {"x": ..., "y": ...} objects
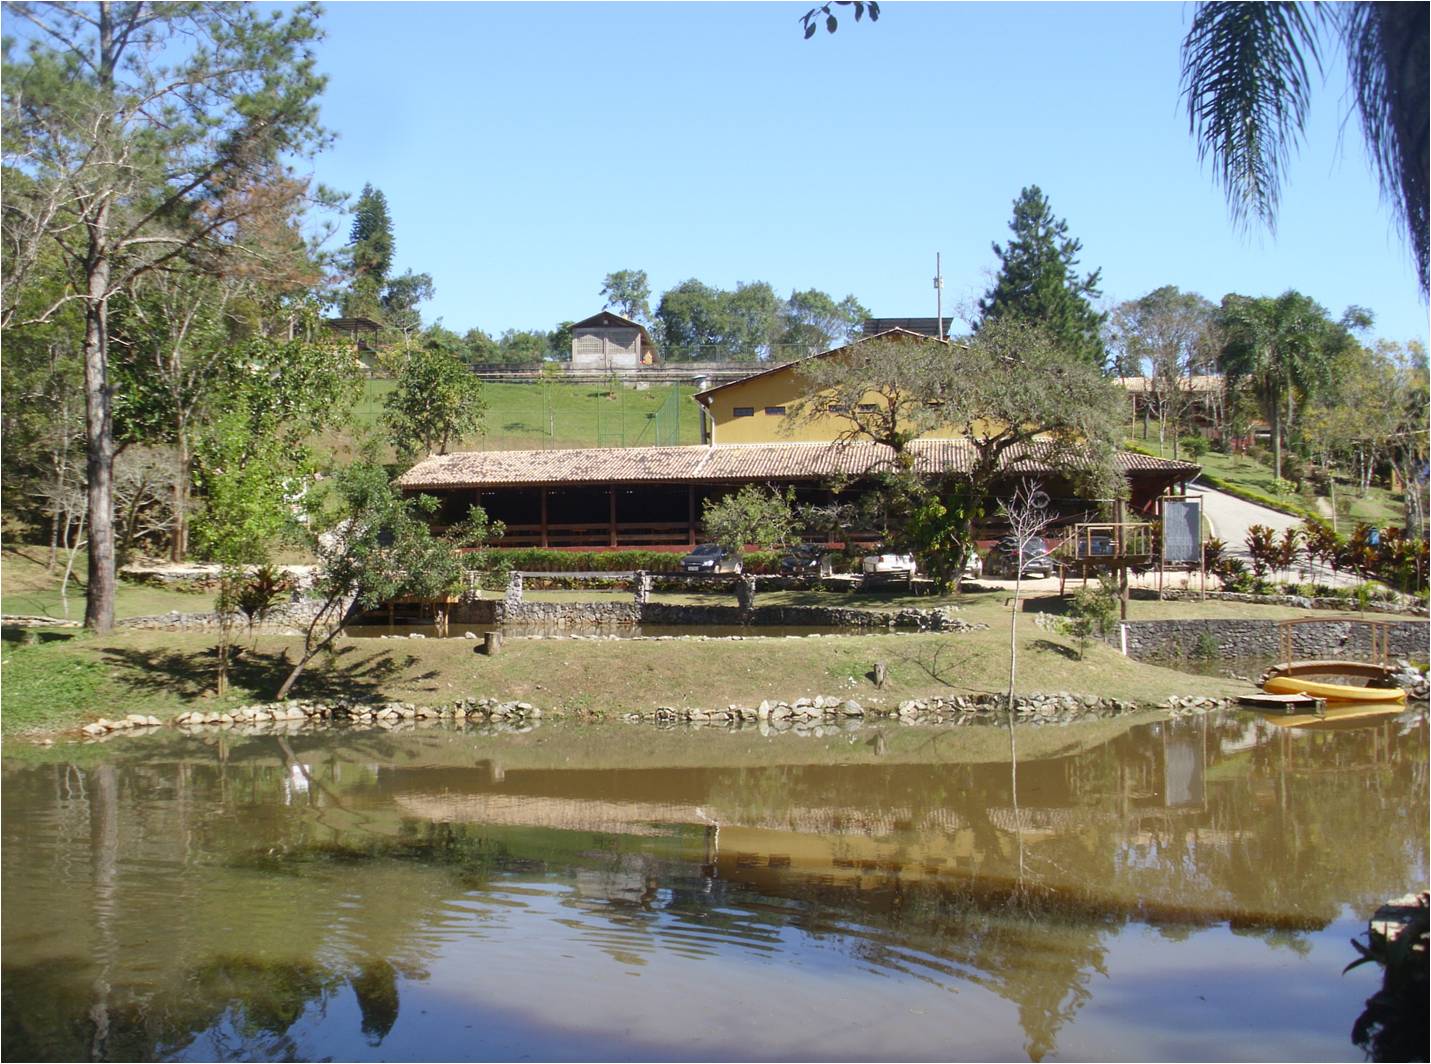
[{"x": 526, "y": 150}]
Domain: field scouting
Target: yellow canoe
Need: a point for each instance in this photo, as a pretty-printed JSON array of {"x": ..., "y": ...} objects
[{"x": 1332, "y": 692}]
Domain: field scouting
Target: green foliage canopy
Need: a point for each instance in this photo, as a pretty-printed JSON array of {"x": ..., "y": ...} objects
[{"x": 1038, "y": 280}]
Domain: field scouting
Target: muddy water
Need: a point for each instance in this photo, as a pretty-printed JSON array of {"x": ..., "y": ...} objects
[{"x": 1166, "y": 890}]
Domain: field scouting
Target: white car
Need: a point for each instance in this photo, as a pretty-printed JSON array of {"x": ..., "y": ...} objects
[{"x": 892, "y": 567}]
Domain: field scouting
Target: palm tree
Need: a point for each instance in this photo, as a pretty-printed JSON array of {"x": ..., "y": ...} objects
[
  {"x": 1246, "y": 79},
  {"x": 1280, "y": 347}
]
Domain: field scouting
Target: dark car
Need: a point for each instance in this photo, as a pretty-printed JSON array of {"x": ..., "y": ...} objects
[
  {"x": 803, "y": 560},
  {"x": 1036, "y": 557},
  {"x": 710, "y": 558}
]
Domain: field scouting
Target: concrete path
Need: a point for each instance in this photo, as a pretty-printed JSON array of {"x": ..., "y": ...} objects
[{"x": 1231, "y": 517}]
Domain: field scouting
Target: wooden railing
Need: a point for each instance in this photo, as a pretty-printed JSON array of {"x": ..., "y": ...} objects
[{"x": 1106, "y": 541}]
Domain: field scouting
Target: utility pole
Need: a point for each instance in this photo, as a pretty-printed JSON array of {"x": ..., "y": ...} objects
[{"x": 938, "y": 296}]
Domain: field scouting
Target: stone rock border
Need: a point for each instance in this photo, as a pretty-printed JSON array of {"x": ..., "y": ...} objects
[
  {"x": 826, "y": 710},
  {"x": 823, "y": 710}
]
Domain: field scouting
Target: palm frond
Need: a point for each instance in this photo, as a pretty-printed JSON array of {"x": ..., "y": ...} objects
[
  {"x": 1387, "y": 56},
  {"x": 1245, "y": 79}
]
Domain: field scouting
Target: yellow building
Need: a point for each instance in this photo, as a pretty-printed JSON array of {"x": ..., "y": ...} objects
[{"x": 762, "y": 408}]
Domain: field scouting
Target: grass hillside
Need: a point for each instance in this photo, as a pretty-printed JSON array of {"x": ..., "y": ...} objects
[
  {"x": 551, "y": 415},
  {"x": 1251, "y": 479}
]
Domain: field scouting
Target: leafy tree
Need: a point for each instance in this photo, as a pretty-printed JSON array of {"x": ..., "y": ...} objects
[
  {"x": 697, "y": 321},
  {"x": 140, "y": 129},
  {"x": 1281, "y": 348},
  {"x": 1038, "y": 282},
  {"x": 1246, "y": 76},
  {"x": 753, "y": 516},
  {"x": 521, "y": 347},
  {"x": 812, "y": 321},
  {"x": 1169, "y": 336},
  {"x": 480, "y": 348},
  {"x": 1005, "y": 391},
  {"x": 400, "y": 300},
  {"x": 42, "y": 416},
  {"x": 435, "y": 400},
  {"x": 811, "y": 20},
  {"x": 244, "y": 482},
  {"x": 628, "y": 292},
  {"x": 376, "y": 545},
  {"x": 559, "y": 342}
]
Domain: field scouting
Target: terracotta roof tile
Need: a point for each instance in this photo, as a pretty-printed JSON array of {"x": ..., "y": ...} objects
[{"x": 728, "y": 462}]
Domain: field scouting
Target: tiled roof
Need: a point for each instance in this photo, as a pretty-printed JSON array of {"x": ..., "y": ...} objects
[{"x": 728, "y": 462}]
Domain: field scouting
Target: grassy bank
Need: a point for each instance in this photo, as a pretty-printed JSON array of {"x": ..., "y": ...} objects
[
  {"x": 69, "y": 678},
  {"x": 28, "y": 589}
]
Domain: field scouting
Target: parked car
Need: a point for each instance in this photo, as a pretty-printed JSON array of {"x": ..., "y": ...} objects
[
  {"x": 710, "y": 558},
  {"x": 1038, "y": 562},
  {"x": 891, "y": 568},
  {"x": 806, "y": 559}
]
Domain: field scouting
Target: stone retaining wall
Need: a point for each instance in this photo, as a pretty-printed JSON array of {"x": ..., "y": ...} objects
[
  {"x": 1262, "y": 639},
  {"x": 626, "y": 614},
  {"x": 1297, "y": 601}
]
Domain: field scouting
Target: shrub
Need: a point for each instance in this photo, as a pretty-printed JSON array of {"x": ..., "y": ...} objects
[
  {"x": 1194, "y": 446},
  {"x": 1233, "y": 574},
  {"x": 548, "y": 560},
  {"x": 1205, "y": 648},
  {"x": 1092, "y": 607}
]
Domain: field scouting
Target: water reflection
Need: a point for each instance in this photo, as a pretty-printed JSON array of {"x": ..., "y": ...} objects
[{"x": 419, "y": 896}]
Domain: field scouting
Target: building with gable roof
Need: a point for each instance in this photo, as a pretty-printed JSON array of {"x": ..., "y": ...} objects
[{"x": 653, "y": 497}]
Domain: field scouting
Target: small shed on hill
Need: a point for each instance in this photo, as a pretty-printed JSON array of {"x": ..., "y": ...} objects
[{"x": 607, "y": 341}]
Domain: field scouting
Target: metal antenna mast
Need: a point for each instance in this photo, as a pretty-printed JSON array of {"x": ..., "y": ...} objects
[{"x": 938, "y": 296}]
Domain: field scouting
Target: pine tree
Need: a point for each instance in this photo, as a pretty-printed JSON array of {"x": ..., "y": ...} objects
[
  {"x": 370, "y": 247},
  {"x": 1038, "y": 280}
]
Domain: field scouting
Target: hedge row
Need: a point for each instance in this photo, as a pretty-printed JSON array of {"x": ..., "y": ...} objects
[
  {"x": 1291, "y": 509},
  {"x": 546, "y": 560}
]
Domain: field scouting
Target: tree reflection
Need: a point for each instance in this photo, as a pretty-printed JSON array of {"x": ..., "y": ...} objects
[{"x": 955, "y": 874}]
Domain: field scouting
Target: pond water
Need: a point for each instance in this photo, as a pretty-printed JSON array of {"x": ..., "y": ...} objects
[{"x": 1155, "y": 890}]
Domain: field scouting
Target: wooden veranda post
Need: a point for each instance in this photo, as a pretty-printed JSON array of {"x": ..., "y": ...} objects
[
  {"x": 543, "y": 518},
  {"x": 611, "y": 512}
]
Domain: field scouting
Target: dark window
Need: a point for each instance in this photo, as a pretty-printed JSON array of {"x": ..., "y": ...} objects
[
  {"x": 745, "y": 411},
  {"x": 867, "y": 408},
  {"x": 839, "y": 408},
  {"x": 775, "y": 411}
]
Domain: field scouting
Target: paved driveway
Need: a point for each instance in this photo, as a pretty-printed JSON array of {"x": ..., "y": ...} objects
[{"x": 1231, "y": 517}]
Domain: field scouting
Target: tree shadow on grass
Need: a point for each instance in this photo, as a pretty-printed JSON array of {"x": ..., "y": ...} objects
[
  {"x": 1049, "y": 646},
  {"x": 939, "y": 663},
  {"x": 329, "y": 676}
]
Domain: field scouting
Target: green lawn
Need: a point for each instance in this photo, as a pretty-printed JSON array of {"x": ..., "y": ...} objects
[
  {"x": 28, "y": 590},
  {"x": 539, "y": 415}
]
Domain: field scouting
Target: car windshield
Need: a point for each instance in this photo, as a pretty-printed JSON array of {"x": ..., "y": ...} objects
[{"x": 709, "y": 548}]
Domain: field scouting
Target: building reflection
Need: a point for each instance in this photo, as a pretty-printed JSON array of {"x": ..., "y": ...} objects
[{"x": 932, "y": 870}]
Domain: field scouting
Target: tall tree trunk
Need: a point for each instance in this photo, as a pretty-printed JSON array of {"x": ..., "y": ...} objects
[
  {"x": 179, "y": 542},
  {"x": 1277, "y": 439},
  {"x": 99, "y": 429},
  {"x": 98, "y": 415}
]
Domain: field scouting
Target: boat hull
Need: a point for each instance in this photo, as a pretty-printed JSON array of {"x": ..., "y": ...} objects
[{"x": 1332, "y": 692}]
